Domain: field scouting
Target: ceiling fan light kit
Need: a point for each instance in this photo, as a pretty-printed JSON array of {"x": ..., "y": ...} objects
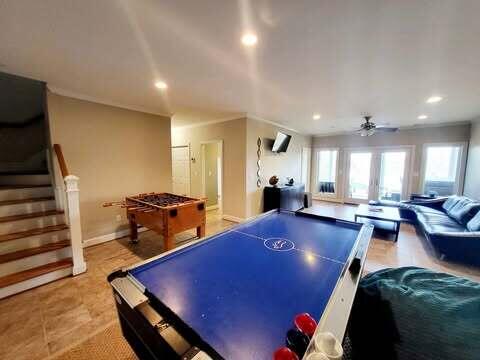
[{"x": 369, "y": 128}]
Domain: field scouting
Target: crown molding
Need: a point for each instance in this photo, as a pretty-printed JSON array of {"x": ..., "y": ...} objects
[
  {"x": 94, "y": 99},
  {"x": 238, "y": 117},
  {"x": 401, "y": 128},
  {"x": 210, "y": 122},
  {"x": 253, "y": 117}
]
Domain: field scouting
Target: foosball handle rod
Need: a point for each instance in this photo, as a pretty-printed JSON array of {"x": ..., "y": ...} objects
[{"x": 114, "y": 203}]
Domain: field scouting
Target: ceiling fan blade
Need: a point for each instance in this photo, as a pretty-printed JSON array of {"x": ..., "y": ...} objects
[{"x": 386, "y": 128}]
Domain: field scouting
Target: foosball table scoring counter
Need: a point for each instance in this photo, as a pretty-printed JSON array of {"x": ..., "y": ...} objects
[{"x": 165, "y": 213}]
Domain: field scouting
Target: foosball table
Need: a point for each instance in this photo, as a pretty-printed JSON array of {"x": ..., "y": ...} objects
[{"x": 166, "y": 214}]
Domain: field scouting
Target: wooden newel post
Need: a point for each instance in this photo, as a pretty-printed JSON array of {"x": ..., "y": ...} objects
[{"x": 73, "y": 217}]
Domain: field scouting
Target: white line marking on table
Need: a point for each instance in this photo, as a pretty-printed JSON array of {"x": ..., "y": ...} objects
[{"x": 295, "y": 248}]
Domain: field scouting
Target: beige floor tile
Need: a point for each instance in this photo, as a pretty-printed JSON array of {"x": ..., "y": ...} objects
[
  {"x": 33, "y": 347},
  {"x": 58, "y": 325}
]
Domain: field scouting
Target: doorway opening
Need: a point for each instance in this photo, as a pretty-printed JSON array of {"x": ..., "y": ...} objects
[{"x": 212, "y": 173}]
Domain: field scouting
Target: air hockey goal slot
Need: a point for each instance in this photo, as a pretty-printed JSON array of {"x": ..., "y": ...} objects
[{"x": 171, "y": 336}]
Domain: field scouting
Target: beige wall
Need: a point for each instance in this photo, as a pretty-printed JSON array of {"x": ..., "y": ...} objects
[
  {"x": 283, "y": 165},
  {"x": 115, "y": 152},
  {"x": 415, "y": 137},
  {"x": 472, "y": 177},
  {"x": 233, "y": 134}
]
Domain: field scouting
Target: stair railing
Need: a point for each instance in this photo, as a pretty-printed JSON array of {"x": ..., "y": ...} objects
[{"x": 68, "y": 199}]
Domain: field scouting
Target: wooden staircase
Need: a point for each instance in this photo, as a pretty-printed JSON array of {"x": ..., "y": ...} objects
[{"x": 34, "y": 240}]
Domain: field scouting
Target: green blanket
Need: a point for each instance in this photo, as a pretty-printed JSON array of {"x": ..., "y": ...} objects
[{"x": 414, "y": 313}]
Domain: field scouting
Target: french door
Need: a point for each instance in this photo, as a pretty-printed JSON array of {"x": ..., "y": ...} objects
[{"x": 377, "y": 174}]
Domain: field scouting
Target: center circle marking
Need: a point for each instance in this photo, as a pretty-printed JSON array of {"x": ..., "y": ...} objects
[{"x": 279, "y": 244}]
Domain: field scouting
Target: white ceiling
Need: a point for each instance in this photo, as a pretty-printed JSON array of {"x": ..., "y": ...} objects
[{"x": 339, "y": 58}]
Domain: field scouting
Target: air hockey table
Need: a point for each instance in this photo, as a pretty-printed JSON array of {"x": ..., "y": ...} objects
[{"x": 234, "y": 295}]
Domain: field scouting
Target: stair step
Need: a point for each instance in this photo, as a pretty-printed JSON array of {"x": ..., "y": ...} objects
[
  {"x": 25, "y": 186},
  {"x": 30, "y": 216},
  {"x": 21, "y": 207},
  {"x": 33, "y": 251},
  {"x": 23, "y": 192},
  {"x": 31, "y": 232},
  {"x": 34, "y": 272},
  {"x": 24, "y": 222},
  {"x": 24, "y": 179},
  {"x": 25, "y": 201}
]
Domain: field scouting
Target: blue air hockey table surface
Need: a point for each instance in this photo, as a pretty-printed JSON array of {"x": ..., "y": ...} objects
[{"x": 234, "y": 295}]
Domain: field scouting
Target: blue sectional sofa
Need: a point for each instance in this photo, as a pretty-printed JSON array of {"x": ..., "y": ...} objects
[{"x": 451, "y": 224}]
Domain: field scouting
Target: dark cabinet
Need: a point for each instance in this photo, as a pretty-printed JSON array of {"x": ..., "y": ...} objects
[{"x": 283, "y": 197}]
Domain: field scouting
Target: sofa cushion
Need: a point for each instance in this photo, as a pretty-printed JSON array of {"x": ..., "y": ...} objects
[
  {"x": 464, "y": 210},
  {"x": 438, "y": 223},
  {"x": 451, "y": 202},
  {"x": 426, "y": 209},
  {"x": 474, "y": 223}
]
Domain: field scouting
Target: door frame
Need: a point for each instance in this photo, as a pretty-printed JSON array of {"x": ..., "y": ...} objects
[
  {"x": 306, "y": 166},
  {"x": 407, "y": 171},
  {"x": 346, "y": 171},
  {"x": 375, "y": 168},
  {"x": 219, "y": 205},
  {"x": 189, "y": 166}
]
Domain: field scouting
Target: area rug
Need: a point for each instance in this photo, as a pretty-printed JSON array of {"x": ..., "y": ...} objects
[{"x": 105, "y": 345}]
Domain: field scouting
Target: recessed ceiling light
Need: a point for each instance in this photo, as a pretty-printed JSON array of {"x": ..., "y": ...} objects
[
  {"x": 422, "y": 117},
  {"x": 161, "y": 85},
  {"x": 434, "y": 99},
  {"x": 316, "y": 116},
  {"x": 249, "y": 39}
]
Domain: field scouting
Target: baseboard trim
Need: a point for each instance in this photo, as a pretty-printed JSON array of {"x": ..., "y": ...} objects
[
  {"x": 232, "y": 218},
  {"x": 109, "y": 237}
]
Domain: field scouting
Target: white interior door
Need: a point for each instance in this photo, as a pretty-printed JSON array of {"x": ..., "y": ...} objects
[{"x": 181, "y": 170}]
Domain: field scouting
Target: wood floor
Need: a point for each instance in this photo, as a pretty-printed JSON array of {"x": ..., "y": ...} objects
[{"x": 48, "y": 320}]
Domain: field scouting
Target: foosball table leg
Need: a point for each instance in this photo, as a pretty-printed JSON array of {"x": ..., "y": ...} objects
[
  {"x": 169, "y": 241},
  {"x": 201, "y": 231},
  {"x": 133, "y": 229}
]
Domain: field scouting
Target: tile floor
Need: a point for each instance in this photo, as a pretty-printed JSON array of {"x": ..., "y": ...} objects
[{"x": 48, "y": 320}]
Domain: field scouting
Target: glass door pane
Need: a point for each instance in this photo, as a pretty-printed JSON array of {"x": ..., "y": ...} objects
[
  {"x": 359, "y": 175},
  {"x": 391, "y": 179},
  {"x": 326, "y": 171},
  {"x": 441, "y": 169}
]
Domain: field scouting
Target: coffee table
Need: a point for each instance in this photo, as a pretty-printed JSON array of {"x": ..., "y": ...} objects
[{"x": 381, "y": 217}]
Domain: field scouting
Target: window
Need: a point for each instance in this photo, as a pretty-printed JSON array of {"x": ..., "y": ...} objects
[
  {"x": 442, "y": 167},
  {"x": 326, "y": 171}
]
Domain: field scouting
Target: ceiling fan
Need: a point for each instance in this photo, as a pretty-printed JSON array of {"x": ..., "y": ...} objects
[{"x": 369, "y": 128}]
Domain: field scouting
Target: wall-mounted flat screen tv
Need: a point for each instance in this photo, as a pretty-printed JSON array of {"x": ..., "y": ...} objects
[{"x": 281, "y": 142}]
